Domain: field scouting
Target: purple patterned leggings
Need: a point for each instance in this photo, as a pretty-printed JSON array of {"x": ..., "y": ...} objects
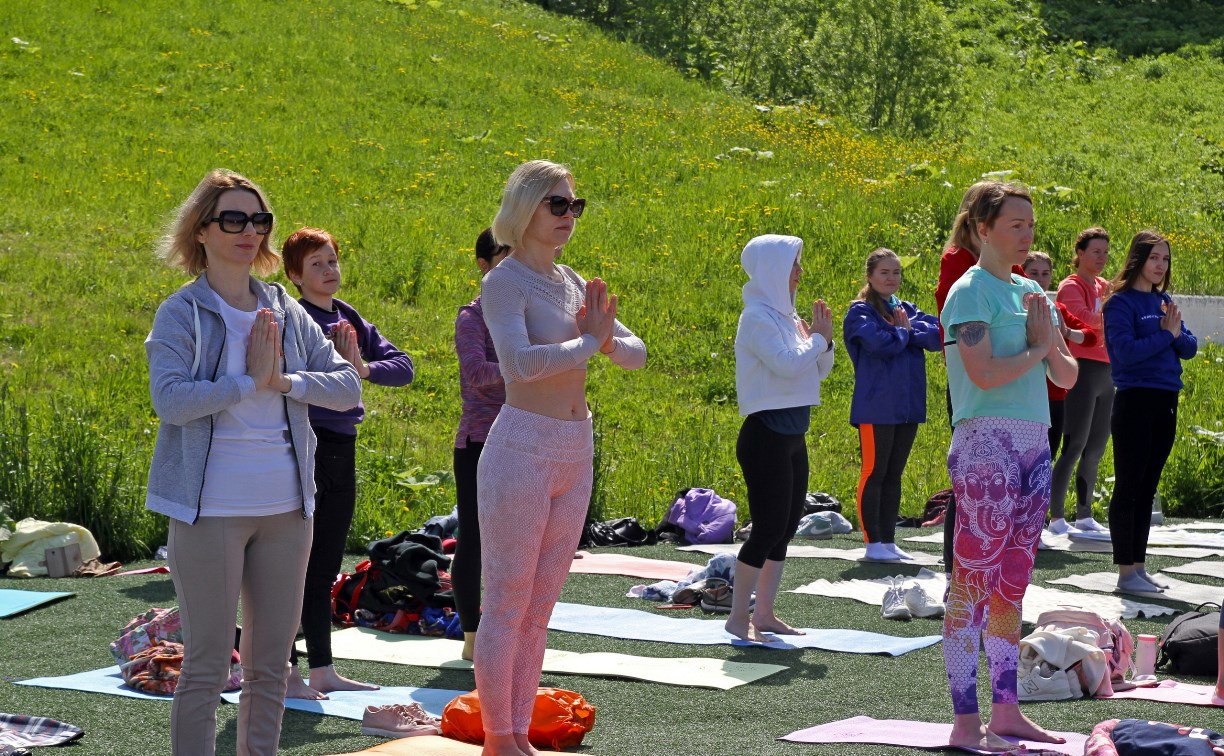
[
  {"x": 534, "y": 486},
  {"x": 1000, "y": 470}
]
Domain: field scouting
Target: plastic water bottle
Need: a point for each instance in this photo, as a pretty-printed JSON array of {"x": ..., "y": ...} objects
[
  {"x": 1145, "y": 657},
  {"x": 1157, "y": 511}
]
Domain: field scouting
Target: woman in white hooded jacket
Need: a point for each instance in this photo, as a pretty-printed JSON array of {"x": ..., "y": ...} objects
[{"x": 780, "y": 360}]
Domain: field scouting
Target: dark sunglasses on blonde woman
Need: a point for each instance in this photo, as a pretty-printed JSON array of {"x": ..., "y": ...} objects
[
  {"x": 235, "y": 222},
  {"x": 557, "y": 205}
]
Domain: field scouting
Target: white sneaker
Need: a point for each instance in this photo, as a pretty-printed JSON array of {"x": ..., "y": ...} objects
[
  {"x": 894, "y": 602},
  {"x": 920, "y": 603},
  {"x": 896, "y": 551},
  {"x": 1059, "y": 526},
  {"x": 1091, "y": 525}
]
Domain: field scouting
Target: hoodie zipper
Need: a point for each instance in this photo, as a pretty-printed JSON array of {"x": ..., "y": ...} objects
[
  {"x": 211, "y": 426},
  {"x": 285, "y": 400}
]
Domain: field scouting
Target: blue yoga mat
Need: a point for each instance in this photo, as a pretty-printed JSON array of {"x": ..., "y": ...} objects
[
  {"x": 347, "y": 704},
  {"x": 15, "y": 602},
  {"x": 634, "y": 624},
  {"x": 105, "y": 680},
  {"x": 351, "y": 704}
]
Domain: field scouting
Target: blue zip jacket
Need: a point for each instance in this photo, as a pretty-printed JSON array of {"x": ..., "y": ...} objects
[
  {"x": 1141, "y": 353},
  {"x": 889, "y": 364}
]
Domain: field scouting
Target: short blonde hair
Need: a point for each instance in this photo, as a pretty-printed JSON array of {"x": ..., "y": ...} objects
[
  {"x": 527, "y": 186},
  {"x": 179, "y": 246}
]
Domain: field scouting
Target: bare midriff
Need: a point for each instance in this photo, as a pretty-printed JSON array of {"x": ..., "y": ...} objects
[{"x": 561, "y": 396}]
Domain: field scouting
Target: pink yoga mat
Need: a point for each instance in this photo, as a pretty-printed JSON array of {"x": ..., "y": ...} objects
[
  {"x": 900, "y": 732},
  {"x": 632, "y": 566},
  {"x": 159, "y": 570},
  {"x": 1172, "y": 691}
]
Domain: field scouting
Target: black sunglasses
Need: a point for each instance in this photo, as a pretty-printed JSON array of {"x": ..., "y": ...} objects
[
  {"x": 557, "y": 205},
  {"x": 235, "y": 222}
]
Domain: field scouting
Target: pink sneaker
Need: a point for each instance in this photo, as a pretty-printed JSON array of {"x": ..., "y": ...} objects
[{"x": 399, "y": 721}]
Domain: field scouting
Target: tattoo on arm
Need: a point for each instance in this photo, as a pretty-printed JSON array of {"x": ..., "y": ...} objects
[{"x": 971, "y": 334}]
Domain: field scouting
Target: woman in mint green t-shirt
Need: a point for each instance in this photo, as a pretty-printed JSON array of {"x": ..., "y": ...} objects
[{"x": 1001, "y": 342}]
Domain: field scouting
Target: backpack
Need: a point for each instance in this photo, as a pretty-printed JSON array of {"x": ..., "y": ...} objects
[
  {"x": 1112, "y": 637},
  {"x": 704, "y": 516},
  {"x": 1188, "y": 644}
]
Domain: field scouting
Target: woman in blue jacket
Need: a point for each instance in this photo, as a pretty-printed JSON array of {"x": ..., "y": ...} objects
[
  {"x": 1147, "y": 341},
  {"x": 885, "y": 339}
]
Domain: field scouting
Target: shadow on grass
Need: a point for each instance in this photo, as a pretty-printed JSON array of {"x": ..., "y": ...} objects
[{"x": 153, "y": 591}]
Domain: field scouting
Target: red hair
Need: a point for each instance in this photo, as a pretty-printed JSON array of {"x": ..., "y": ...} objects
[{"x": 301, "y": 243}]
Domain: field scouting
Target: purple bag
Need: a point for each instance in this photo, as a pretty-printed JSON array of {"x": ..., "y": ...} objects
[{"x": 704, "y": 516}]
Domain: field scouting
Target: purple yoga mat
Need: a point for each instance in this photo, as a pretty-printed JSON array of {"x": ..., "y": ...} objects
[
  {"x": 1172, "y": 691},
  {"x": 900, "y": 732}
]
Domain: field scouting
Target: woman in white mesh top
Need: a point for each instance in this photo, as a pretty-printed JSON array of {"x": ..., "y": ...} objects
[{"x": 534, "y": 476}]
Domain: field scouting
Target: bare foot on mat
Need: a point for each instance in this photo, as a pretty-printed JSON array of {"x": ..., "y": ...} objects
[
  {"x": 745, "y": 630},
  {"x": 1006, "y": 719},
  {"x": 299, "y": 689},
  {"x": 327, "y": 679},
  {"x": 774, "y": 625}
]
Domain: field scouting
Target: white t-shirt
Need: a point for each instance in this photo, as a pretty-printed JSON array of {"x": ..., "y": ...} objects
[{"x": 251, "y": 469}]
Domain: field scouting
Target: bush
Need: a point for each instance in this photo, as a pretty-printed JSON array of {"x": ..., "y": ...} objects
[{"x": 1194, "y": 477}]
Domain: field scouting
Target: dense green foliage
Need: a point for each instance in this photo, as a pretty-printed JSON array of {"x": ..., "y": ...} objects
[{"x": 395, "y": 124}]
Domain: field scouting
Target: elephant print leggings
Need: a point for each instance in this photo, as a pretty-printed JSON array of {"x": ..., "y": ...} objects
[{"x": 1000, "y": 470}]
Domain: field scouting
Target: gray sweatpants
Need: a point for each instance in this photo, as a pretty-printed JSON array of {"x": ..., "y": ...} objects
[{"x": 1085, "y": 434}]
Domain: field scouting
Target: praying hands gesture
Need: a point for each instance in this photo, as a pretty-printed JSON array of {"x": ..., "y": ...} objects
[
  {"x": 597, "y": 315},
  {"x": 263, "y": 354},
  {"x": 1172, "y": 321},
  {"x": 344, "y": 336},
  {"x": 1039, "y": 326},
  {"x": 822, "y": 322}
]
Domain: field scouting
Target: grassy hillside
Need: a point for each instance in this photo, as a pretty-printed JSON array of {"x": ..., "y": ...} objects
[{"x": 395, "y": 124}]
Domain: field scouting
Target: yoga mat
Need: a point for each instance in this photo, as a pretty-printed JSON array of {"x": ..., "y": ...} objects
[
  {"x": 159, "y": 570},
  {"x": 105, "y": 680},
  {"x": 1051, "y": 542},
  {"x": 1037, "y": 599},
  {"x": 350, "y": 704},
  {"x": 697, "y": 672},
  {"x": 632, "y": 566},
  {"x": 1178, "y": 590},
  {"x": 1164, "y": 535},
  {"x": 632, "y": 624},
  {"x": 1172, "y": 691},
  {"x": 427, "y": 745},
  {"x": 1217, "y": 527},
  {"x": 1207, "y": 569},
  {"x": 817, "y": 552},
  {"x": 13, "y": 601},
  {"x": 900, "y": 732}
]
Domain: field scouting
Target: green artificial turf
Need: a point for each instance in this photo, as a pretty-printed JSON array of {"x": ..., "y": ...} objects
[{"x": 633, "y": 718}]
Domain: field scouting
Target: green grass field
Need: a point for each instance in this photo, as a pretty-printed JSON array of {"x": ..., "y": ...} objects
[
  {"x": 394, "y": 125},
  {"x": 632, "y": 717}
]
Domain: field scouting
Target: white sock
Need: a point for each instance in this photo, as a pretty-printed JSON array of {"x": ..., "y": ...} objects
[
  {"x": 881, "y": 552},
  {"x": 898, "y": 552}
]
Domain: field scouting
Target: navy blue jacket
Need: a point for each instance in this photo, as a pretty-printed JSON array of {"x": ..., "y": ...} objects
[
  {"x": 889, "y": 366},
  {"x": 1141, "y": 353}
]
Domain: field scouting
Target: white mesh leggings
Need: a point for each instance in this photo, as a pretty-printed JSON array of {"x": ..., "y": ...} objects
[{"x": 534, "y": 485}]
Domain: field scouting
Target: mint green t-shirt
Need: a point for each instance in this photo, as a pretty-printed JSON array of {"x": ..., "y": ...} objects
[{"x": 981, "y": 297}]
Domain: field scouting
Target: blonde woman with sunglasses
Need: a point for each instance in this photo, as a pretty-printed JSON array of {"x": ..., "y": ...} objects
[
  {"x": 534, "y": 475},
  {"x": 234, "y": 363}
]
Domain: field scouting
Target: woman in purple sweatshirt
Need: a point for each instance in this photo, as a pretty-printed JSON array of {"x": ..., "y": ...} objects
[
  {"x": 484, "y": 392},
  {"x": 1147, "y": 341},
  {"x": 312, "y": 263}
]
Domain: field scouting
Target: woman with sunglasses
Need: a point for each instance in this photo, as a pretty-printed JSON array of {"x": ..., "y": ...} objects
[
  {"x": 535, "y": 472},
  {"x": 483, "y": 392},
  {"x": 234, "y": 363}
]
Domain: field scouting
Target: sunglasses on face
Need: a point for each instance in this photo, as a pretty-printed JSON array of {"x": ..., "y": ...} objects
[
  {"x": 235, "y": 222},
  {"x": 557, "y": 205}
]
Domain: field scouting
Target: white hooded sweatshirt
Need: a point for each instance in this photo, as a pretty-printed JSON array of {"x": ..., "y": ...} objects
[{"x": 775, "y": 367}]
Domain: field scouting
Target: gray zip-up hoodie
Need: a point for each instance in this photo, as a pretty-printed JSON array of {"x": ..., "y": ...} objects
[{"x": 189, "y": 332}]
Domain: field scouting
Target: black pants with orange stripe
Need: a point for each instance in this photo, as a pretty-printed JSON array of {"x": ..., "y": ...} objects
[{"x": 885, "y": 450}]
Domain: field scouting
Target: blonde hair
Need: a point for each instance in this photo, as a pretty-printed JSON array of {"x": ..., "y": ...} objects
[
  {"x": 527, "y": 186},
  {"x": 179, "y": 246}
]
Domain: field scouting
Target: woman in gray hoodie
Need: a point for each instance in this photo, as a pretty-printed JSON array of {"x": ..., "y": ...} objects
[{"x": 234, "y": 363}]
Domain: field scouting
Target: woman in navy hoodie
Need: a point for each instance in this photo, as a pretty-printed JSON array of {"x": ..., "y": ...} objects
[
  {"x": 1147, "y": 341},
  {"x": 885, "y": 339}
]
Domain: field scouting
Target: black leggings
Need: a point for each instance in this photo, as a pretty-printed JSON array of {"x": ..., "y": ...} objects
[
  {"x": 885, "y": 450},
  {"x": 775, "y": 469},
  {"x": 1144, "y": 424},
  {"x": 465, "y": 567},
  {"x": 335, "y": 499},
  {"x": 1058, "y": 413}
]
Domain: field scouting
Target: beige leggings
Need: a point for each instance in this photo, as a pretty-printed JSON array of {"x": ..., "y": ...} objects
[{"x": 212, "y": 562}]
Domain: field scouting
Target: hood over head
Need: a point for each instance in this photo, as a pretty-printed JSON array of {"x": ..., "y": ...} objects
[{"x": 767, "y": 260}]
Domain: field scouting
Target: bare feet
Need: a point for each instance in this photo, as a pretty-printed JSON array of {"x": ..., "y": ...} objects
[
  {"x": 327, "y": 679},
  {"x": 469, "y": 647},
  {"x": 744, "y": 630},
  {"x": 1006, "y": 719},
  {"x": 299, "y": 689},
  {"x": 501, "y": 745},
  {"x": 525, "y": 745},
  {"x": 969, "y": 732},
  {"x": 772, "y": 624}
]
